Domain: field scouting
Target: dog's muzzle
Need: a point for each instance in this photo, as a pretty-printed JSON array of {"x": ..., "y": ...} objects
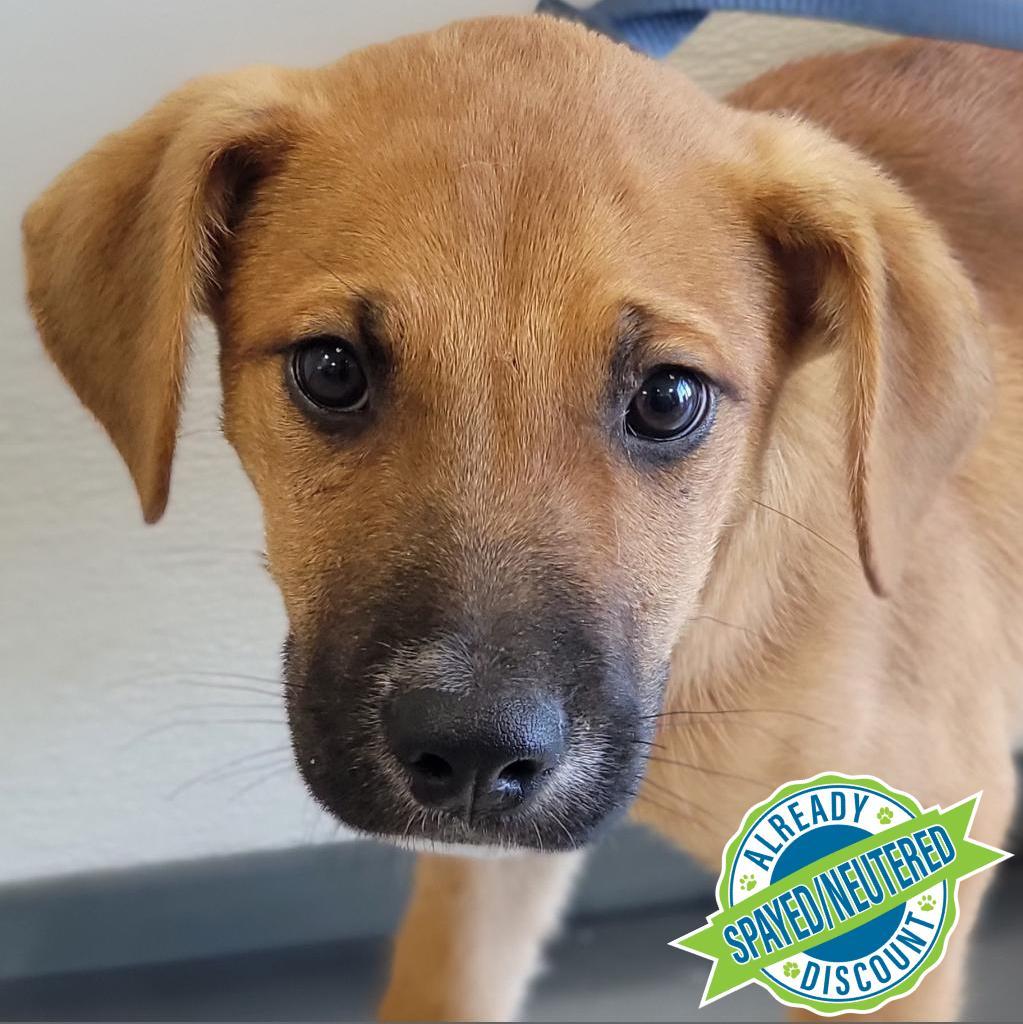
[{"x": 512, "y": 726}]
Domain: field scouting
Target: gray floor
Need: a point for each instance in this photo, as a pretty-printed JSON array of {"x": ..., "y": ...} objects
[{"x": 615, "y": 969}]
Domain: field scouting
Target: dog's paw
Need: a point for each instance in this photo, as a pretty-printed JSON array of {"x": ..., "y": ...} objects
[
  {"x": 926, "y": 903},
  {"x": 747, "y": 882},
  {"x": 885, "y": 815},
  {"x": 790, "y": 969}
]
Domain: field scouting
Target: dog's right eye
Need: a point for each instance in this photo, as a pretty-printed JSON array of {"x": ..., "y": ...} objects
[{"x": 328, "y": 373}]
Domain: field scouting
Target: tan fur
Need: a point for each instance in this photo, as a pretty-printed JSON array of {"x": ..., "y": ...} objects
[{"x": 531, "y": 182}]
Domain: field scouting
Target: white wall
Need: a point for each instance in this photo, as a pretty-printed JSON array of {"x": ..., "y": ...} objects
[{"x": 111, "y": 632}]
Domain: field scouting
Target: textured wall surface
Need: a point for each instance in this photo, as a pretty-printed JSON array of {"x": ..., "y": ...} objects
[{"x": 118, "y": 642}]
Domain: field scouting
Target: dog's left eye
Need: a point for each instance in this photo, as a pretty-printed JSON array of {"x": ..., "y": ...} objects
[
  {"x": 672, "y": 403},
  {"x": 329, "y": 374}
]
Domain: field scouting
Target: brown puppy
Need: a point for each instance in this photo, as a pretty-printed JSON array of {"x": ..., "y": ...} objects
[{"x": 570, "y": 395}]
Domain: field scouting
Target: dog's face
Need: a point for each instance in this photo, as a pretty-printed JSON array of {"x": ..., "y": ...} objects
[
  {"x": 497, "y": 428},
  {"x": 499, "y": 351},
  {"x": 497, "y": 415}
]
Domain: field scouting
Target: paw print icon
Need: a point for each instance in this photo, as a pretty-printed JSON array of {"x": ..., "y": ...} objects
[
  {"x": 790, "y": 969},
  {"x": 926, "y": 903},
  {"x": 748, "y": 883},
  {"x": 884, "y": 815}
]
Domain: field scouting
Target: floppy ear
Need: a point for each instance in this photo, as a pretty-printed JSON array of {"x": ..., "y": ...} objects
[
  {"x": 868, "y": 277},
  {"x": 121, "y": 253}
]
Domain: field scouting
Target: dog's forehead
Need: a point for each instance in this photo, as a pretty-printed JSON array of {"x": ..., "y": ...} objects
[{"x": 486, "y": 205}]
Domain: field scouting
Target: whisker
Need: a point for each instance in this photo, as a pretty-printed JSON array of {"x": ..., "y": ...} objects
[
  {"x": 231, "y": 687},
  {"x": 167, "y": 726},
  {"x": 706, "y": 771},
  {"x": 648, "y": 743},
  {"x": 408, "y": 828},
  {"x": 740, "y": 711},
  {"x": 684, "y": 799},
  {"x": 324, "y": 267},
  {"x": 268, "y": 685},
  {"x": 809, "y": 529},
  {"x": 732, "y": 625},
  {"x": 219, "y": 549},
  {"x": 244, "y": 676},
  {"x": 227, "y": 706},
  {"x": 278, "y": 689},
  {"x": 564, "y": 828},
  {"x": 671, "y": 810},
  {"x": 755, "y": 726},
  {"x": 259, "y": 782},
  {"x": 225, "y": 770}
]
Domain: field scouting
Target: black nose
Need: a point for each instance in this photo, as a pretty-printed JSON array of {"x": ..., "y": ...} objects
[{"x": 474, "y": 756}]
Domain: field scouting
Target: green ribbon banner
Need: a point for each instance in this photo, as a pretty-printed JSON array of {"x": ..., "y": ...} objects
[{"x": 955, "y": 857}]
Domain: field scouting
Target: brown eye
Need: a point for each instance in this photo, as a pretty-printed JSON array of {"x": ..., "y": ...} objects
[
  {"x": 329, "y": 374},
  {"x": 671, "y": 403}
]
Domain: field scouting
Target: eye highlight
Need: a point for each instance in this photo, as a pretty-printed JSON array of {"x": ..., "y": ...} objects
[
  {"x": 672, "y": 403},
  {"x": 328, "y": 373}
]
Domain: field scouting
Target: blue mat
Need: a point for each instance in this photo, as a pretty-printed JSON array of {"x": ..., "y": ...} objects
[{"x": 656, "y": 27}]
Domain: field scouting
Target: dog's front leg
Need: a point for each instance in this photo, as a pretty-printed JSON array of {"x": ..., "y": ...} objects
[{"x": 473, "y": 935}]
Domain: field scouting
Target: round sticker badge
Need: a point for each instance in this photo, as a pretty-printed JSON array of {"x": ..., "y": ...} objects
[{"x": 838, "y": 894}]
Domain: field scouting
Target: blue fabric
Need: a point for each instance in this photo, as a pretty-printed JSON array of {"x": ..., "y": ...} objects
[{"x": 656, "y": 27}]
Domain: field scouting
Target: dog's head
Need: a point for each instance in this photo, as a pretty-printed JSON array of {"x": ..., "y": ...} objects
[{"x": 504, "y": 312}]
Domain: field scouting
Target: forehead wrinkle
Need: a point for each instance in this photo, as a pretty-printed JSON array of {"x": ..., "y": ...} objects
[
  {"x": 667, "y": 325},
  {"x": 319, "y": 305}
]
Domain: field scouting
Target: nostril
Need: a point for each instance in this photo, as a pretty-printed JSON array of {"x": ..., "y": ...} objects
[
  {"x": 432, "y": 766},
  {"x": 474, "y": 756},
  {"x": 522, "y": 771}
]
